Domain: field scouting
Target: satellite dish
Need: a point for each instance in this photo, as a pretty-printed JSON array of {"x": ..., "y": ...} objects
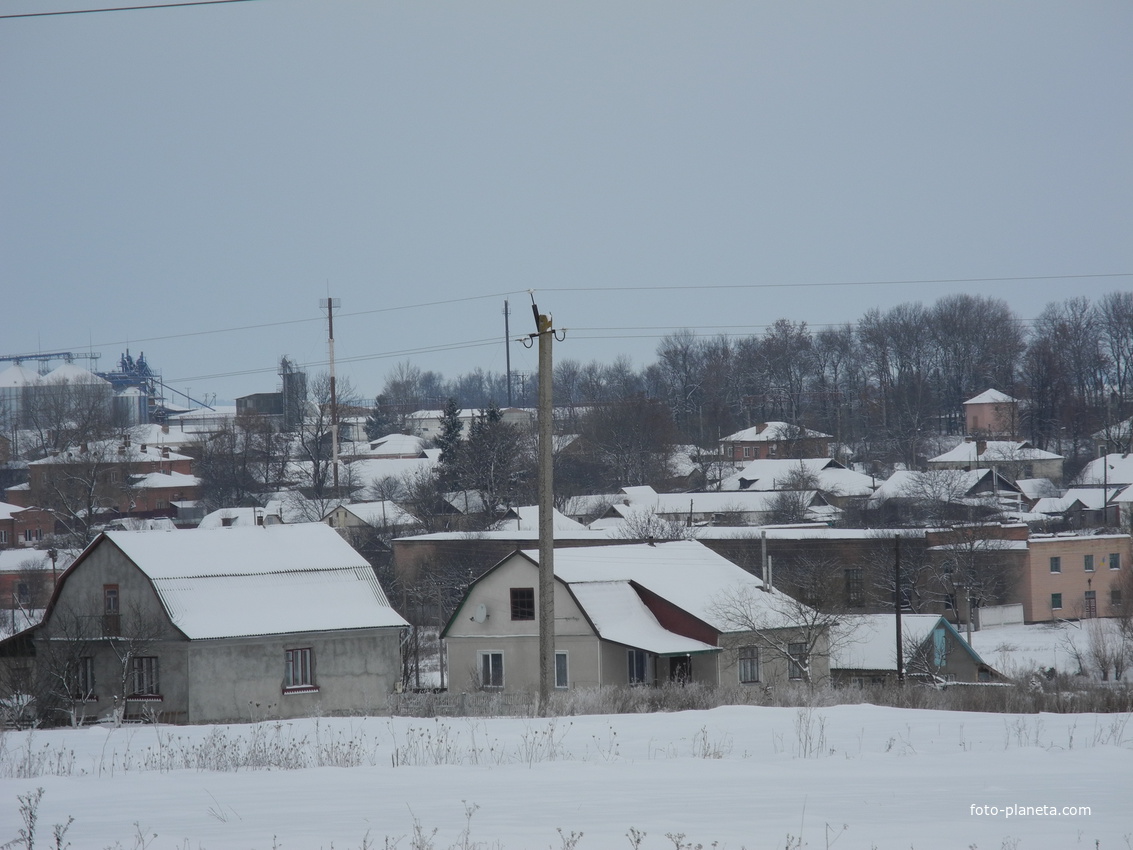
[{"x": 481, "y": 613}]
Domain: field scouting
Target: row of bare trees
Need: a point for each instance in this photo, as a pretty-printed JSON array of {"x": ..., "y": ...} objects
[{"x": 883, "y": 383}]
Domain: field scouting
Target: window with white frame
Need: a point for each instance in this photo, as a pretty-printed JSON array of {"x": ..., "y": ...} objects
[
  {"x": 3, "y": 536},
  {"x": 144, "y": 675},
  {"x": 562, "y": 679},
  {"x": 298, "y": 669},
  {"x": 1088, "y": 563},
  {"x": 491, "y": 669},
  {"x": 638, "y": 663},
  {"x": 1115, "y": 560},
  {"x": 749, "y": 664},
  {"x": 1056, "y": 564},
  {"x": 1055, "y": 601}
]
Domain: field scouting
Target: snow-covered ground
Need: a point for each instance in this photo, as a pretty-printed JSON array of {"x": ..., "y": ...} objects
[{"x": 846, "y": 777}]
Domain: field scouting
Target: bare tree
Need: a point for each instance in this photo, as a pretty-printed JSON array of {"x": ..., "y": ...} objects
[{"x": 800, "y": 635}]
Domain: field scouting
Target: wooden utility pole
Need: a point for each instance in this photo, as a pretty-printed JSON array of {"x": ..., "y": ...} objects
[{"x": 545, "y": 333}]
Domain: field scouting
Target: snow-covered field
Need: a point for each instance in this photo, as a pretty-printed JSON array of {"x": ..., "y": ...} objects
[{"x": 846, "y": 776}]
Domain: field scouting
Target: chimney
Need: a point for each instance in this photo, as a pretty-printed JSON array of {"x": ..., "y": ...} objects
[
  {"x": 142, "y": 448},
  {"x": 165, "y": 452},
  {"x": 165, "y": 428},
  {"x": 981, "y": 447},
  {"x": 761, "y": 427}
]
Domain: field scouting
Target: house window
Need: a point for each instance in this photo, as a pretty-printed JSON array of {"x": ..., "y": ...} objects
[
  {"x": 111, "y": 612},
  {"x": 491, "y": 669},
  {"x": 749, "y": 664},
  {"x": 1115, "y": 597},
  {"x": 84, "y": 678},
  {"x": 1056, "y": 565},
  {"x": 1115, "y": 560},
  {"x": 638, "y": 666},
  {"x": 3, "y": 537},
  {"x": 796, "y": 653},
  {"x": 298, "y": 670},
  {"x": 523, "y": 603},
  {"x": 747, "y": 451},
  {"x": 32, "y": 534},
  {"x": 143, "y": 671},
  {"x": 1055, "y": 601},
  {"x": 1088, "y": 563},
  {"x": 854, "y": 587},
  {"x": 561, "y": 678}
]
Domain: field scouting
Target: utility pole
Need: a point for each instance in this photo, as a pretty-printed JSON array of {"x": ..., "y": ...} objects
[
  {"x": 507, "y": 350},
  {"x": 897, "y": 609},
  {"x": 330, "y": 304},
  {"x": 546, "y": 334}
]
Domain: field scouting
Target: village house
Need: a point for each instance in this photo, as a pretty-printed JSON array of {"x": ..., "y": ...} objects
[
  {"x": 211, "y": 627},
  {"x": 638, "y": 614},
  {"x": 20, "y": 526},
  {"x": 775, "y": 440},
  {"x": 992, "y": 414},
  {"x": 932, "y": 650},
  {"x": 1012, "y": 458}
]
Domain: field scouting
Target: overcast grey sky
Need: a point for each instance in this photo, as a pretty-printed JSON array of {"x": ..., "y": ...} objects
[{"x": 166, "y": 175}]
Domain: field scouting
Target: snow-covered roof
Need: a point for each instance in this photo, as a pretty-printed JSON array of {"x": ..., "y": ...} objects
[
  {"x": 365, "y": 470},
  {"x": 7, "y": 510},
  {"x": 1112, "y": 469},
  {"x": 115, "y": 450},
  {"x": 773, "y": 432},
  {"x": 397, "y": 445},
  {"x": 869, "y": 641},
  {"x": 990, "y": 396},
  {"x": 686, "y": 573},
  {"x": 261, "y": 580},
  {"x": 619, "y": 615},
  {"x": 1001, "y": 451},
  {"x": 769, "y": 474},
  {"x": 380, "y": 513},
  {"x": 1038, "y": 488},
  {"x": 164, "y": 480},
  {"x": 527, "y": 517},
  {"x": 941, "y": 483}
]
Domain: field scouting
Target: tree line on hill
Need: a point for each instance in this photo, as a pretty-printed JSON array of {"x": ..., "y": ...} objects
[{"x": 881, "y": 385}]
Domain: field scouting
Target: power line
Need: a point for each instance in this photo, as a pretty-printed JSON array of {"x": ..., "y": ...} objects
[
  {"x": 833, "y": 283},
  {"x": 508, "y": 293},
  {"x": 123, "y": 8}
]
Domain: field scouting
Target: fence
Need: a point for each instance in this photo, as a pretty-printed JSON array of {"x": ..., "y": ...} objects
[{"x": 1001, "y": 615}]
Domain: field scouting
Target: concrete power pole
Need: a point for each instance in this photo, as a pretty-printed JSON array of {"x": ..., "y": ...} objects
[
  {"x": 330, "y": 304},
  {"x": 545, "y": 333}
]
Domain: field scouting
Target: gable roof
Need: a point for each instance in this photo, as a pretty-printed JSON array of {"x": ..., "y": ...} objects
[
  {"x": 832, "y": 476},
  {"x": 618, "y": 614},
  {"x": 685, "y": 573},
  {"x": 773, "y": 432},
  {"x": 256, "y": 581},
  {"x": 526, "y": 517},
  {"x": 379, "y": 514},
  {"x": 1003, "y": 451},
  {"x": 871, "y": 640}
]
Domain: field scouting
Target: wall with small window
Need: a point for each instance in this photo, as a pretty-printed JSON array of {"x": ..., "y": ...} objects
[{"x": 251, "y": 678}]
